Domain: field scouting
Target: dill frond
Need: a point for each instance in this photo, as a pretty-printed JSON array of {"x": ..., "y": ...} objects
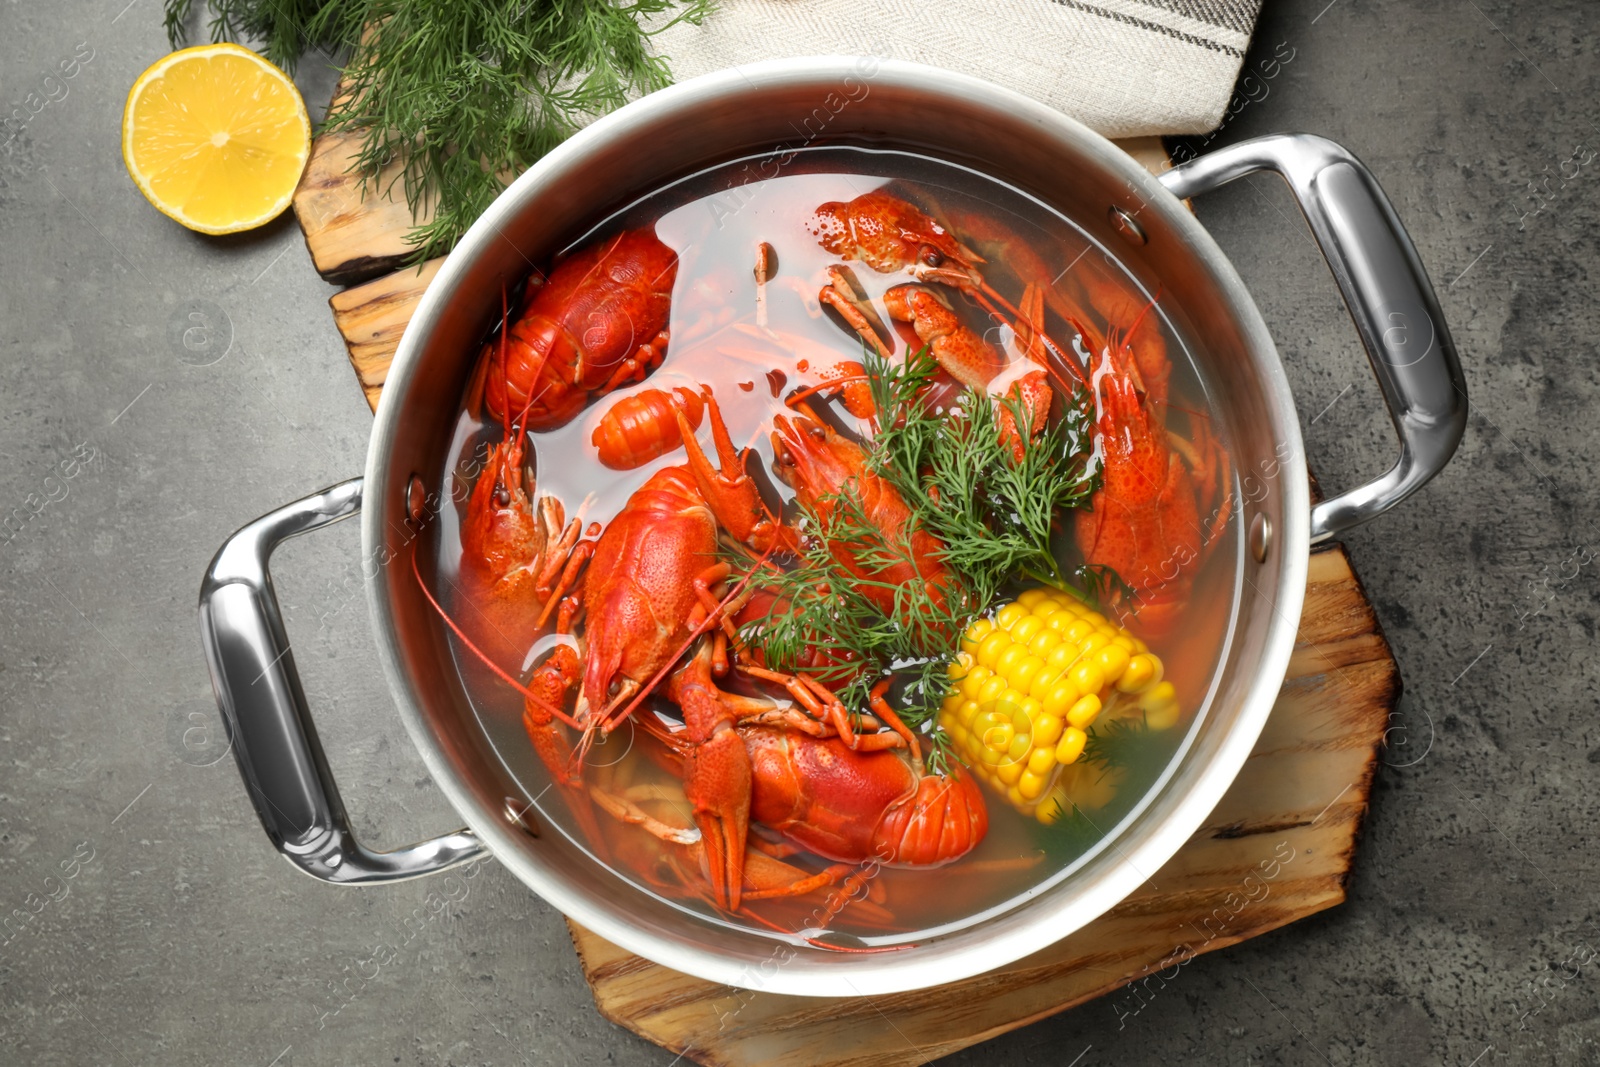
[
  {"x": 1073, "y": 832},
  {"x": 1130, "y": 744},
  {"x": 464, "y": 94},
  {"x": 995, "y": 515},
  {"x": 1101, "y": 583}
]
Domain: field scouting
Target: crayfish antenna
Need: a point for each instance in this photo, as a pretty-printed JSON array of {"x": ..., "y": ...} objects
[{"x": 501, "y": 672}]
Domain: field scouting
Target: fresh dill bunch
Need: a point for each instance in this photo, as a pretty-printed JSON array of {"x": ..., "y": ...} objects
[
  {"x": 463, "y": 94},
  {"x": 283, "y": 27}
]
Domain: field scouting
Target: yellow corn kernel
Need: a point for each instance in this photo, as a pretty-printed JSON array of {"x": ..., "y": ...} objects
[
  {"x": 1020, "y": 746},
  {"x": 1162, "y": 718},
  {"x": 1050, "y": 806},
  {"x": 1030, "y": 785},
  {"x": 1031, "y": 598},
  {"x": 1023, "y": 629},
  {"x": 1044, "y": 642},
  {"x": 975, "y": 635},
  {"x": 967, "y": 712},
  {"x": 1160, "y": 693},
  {"x": 997, "y": 737},
  {"x": 1024, "y": 671},
  {"x": 1086, "y": 677},
  {"x": 1089, "y": 787},
  {"x": 1046, "y": 729},
  {"x": 1060, "y": 699},
  {"x": 992, "y": 688},
  {"x": 1112, "y": 660},
  {"x": 992, "y": 646},
  {"x": 1044, "y": 681},
  {"x": 1160, "y": 706},
  {"x": 1008, "y": 615},
  {"x": 988, "y": 715},
  {"x": 1078, "y": 631},
  {"x": 1141, "y": 673},
  {"x": 1042, "y": 761},
  {"x": 972, "y": 684},
  {"x": 985, "y": 721},
  {"x": 1061, "y": 657},
  {"x": 1084, "y": 711},
  {"x": 1006, "y": 662},
  {"x": 1015, "y": 796},
  {"x": 1070, "y": 747},
  {"x": 1009, "y": 772}
]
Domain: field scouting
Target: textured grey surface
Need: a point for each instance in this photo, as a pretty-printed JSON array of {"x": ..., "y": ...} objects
[{"x": 179, "y": 936}]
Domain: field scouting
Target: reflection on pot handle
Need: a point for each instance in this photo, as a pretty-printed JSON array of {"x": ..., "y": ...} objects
[
  {"x": 1388, "y": 294},
  {"x": 269, "y": 724}
]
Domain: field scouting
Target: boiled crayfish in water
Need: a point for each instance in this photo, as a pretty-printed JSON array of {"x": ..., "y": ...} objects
[
  {"x": 648, "y": 619},
  {"x": 597, "y": 322}
]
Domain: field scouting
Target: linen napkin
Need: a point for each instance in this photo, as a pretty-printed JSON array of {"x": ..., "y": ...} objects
[{"x": 1125, "y": 68}]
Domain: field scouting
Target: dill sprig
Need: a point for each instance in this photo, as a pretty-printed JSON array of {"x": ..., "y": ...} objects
[
  {"x": 995, "y": 515},
  {"x": 463, "y": 94},
  {"x": 1073, "y": 832},
  {"x": 281, "y": 26},
  {"x": 821, "y": 603},
  {"x": 1128, "y": 743},
  {"x": 1101, "y": 584}
]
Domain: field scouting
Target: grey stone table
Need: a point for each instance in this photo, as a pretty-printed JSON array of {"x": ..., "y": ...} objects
[{"x": 163, "y": 928}]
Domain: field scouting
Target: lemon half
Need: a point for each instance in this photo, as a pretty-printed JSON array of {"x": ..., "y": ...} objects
[{"x": 216, "y": 137}]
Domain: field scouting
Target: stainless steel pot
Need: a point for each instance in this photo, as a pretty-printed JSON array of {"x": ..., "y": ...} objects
[{"x": 780, "y": 106}]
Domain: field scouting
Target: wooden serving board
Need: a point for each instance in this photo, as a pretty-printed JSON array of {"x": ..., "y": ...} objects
[{"x": 1277, "y": 848}]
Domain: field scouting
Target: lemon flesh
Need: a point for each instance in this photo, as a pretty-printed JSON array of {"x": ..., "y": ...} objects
[{"x": 216, "y": 137}]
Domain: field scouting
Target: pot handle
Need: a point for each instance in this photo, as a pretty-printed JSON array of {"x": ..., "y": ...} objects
[
  {"x": 269, "y": 725},
  {"x": 1388, "y": 294}
]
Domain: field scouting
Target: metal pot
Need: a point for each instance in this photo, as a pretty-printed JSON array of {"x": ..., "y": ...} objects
[{"x": 1140, "y": 219}]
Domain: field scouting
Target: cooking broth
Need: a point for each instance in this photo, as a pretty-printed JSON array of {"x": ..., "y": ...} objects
[{"x": 755, "y": 345}]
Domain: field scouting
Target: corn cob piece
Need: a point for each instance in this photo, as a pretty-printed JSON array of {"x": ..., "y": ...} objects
[{"x": 1032, "y": 679}]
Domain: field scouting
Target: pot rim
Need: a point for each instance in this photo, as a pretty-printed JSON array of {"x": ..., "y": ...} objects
[{"x": 886, "y": 972}]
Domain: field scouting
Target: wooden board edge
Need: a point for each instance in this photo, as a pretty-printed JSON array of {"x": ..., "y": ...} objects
[
  {"x": 1330, "y": 893},
  {"x": 1335, "y": 896}
]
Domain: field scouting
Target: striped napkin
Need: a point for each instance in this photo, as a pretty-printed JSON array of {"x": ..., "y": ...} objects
[{"x": 1126, "y": 68}]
